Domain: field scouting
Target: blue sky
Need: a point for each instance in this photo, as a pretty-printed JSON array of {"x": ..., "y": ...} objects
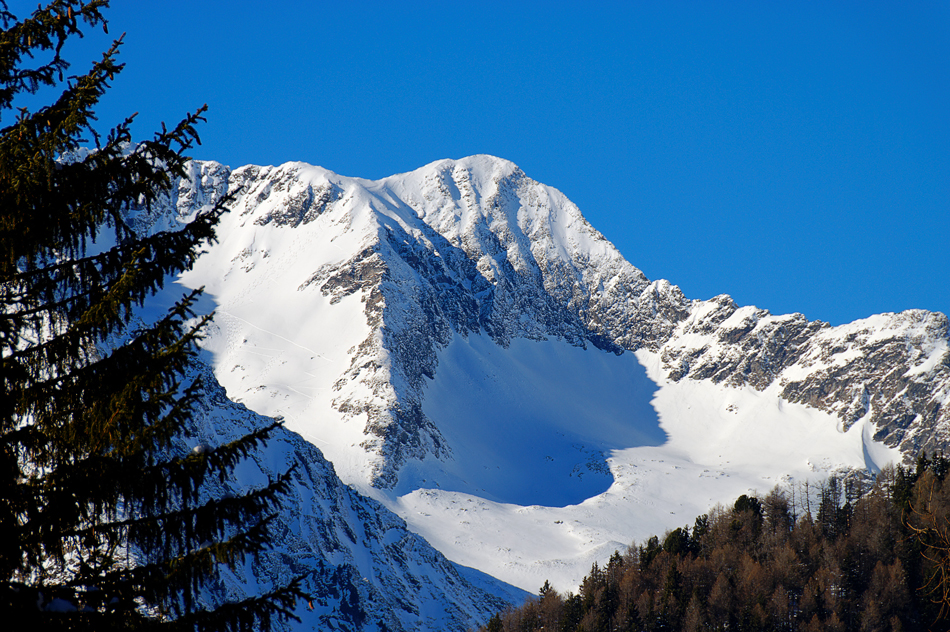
[{"x": 794, "y": 155}]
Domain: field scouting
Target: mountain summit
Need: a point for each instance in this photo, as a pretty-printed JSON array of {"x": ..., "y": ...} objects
[
  {"x": 375, "y": 278},
  {"x": 468, "y": 351}
]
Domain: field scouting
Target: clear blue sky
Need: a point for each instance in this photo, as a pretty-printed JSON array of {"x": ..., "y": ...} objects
[{"x": 795, "y": 155}]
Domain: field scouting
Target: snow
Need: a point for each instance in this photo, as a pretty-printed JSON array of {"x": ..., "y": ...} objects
[
  {"x": 936, "y": 354},
  {"x": 558, "y": 455},
  {"x": 358, "y": 560},
  {"x": 278, "y": 344},
  {"x": 522, "y": 418},
  {"x": 674, "y": 450}
]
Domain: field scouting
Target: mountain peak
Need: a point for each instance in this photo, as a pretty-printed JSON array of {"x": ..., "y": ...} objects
[
  {"x": 459, "y": 335},
  {"x": 483, "y": 166}
]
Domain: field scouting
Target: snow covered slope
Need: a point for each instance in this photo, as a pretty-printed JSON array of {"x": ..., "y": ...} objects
[
  {"x": 363, "y": 569},
  {"x": 466, "y": 349}
]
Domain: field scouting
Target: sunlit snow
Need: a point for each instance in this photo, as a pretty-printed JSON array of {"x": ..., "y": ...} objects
[{"x": 558, "y": 455}]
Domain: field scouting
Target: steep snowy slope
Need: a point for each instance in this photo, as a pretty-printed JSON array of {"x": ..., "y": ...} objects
[
  {"x": 466, "y": 349},
  {"x": 334, "y": 294}
]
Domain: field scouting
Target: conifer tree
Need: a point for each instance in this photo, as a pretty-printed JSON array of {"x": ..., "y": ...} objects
[{"x": 106, "y": 522}]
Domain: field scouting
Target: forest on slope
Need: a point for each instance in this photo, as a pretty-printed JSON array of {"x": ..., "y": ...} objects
[{"x": 840, "y": 557}]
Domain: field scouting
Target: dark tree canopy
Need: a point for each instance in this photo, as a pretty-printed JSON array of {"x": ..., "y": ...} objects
[{"x": 104, "y": 522}]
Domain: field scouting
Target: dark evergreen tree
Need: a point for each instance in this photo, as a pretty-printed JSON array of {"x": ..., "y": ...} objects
[
  {"x": 650, "y": 551},
  {"x": 833, "y": 517},
  {"x": 678, "y": 541},
  {"x": 748, "y": 503},
  {"x": 494, "y": 624},
  {"x": 700, "y": 529},
  {"x": 104, "y": 522}
]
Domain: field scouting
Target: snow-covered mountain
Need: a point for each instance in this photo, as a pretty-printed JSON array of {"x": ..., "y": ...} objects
[{"x": 469, "y": 352}]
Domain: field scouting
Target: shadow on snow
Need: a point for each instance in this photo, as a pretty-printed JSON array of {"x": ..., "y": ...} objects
[{"x": 533, "y": 424}]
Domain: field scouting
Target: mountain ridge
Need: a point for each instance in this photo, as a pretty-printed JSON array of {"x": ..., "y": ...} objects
[{"x": 343, "y": 304}]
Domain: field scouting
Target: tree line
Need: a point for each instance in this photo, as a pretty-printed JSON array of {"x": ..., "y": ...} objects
[{"x": 849, "y": 557}]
